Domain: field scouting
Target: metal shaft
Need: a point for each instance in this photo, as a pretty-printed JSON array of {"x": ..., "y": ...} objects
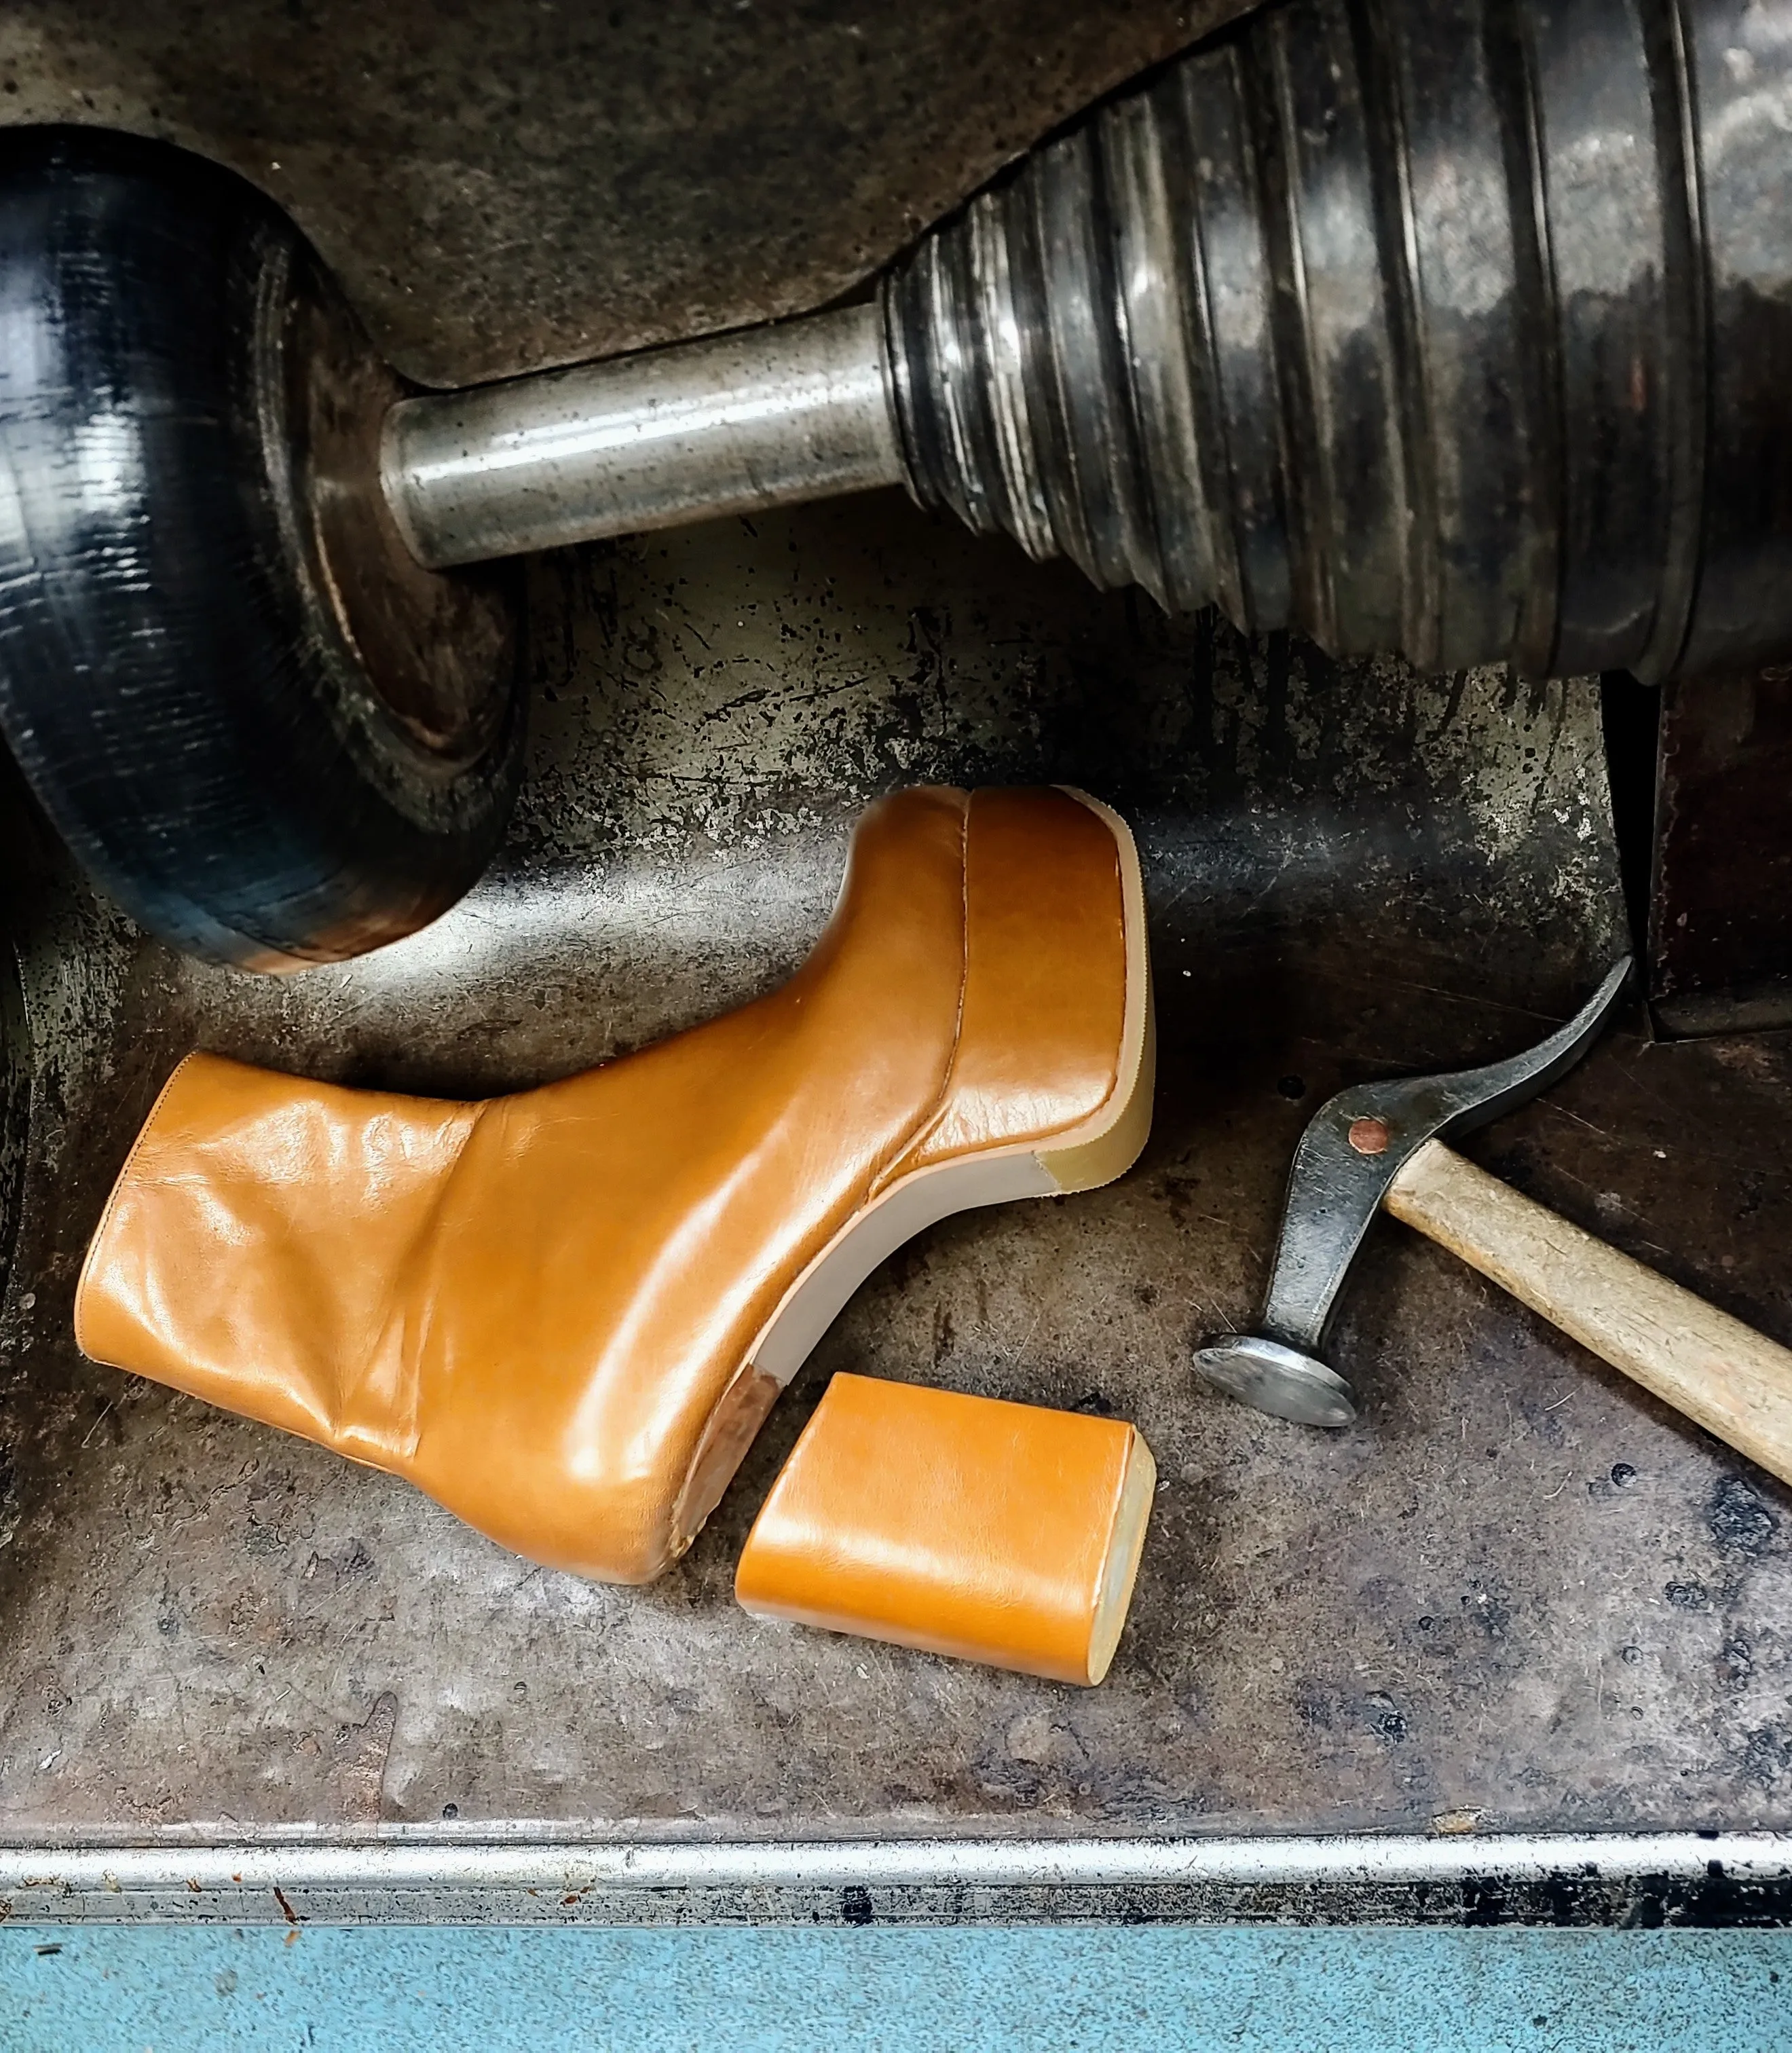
[
  {"x": 1454, "y": 326},
  {"x": 798, "y": 411}
]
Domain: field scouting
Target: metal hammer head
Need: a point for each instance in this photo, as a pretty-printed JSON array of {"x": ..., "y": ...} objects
[{"x": 1354, "y": 1147}]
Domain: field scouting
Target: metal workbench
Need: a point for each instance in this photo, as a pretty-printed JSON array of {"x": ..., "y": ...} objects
[{"x": 1390, "y": 1671}]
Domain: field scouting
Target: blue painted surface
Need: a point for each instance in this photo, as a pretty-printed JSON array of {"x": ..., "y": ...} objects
[{"x": 192, "y": 1989}]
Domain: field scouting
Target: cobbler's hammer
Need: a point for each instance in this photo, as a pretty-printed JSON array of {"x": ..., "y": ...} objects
[{"x": 1381, "y": 1145}]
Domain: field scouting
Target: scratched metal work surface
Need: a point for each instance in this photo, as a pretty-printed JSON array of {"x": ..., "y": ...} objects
[{"x": 1516, "y": 1587}]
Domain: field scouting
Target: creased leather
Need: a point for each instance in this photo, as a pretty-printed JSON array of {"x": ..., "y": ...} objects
[{"x": 531, "y": 1306}]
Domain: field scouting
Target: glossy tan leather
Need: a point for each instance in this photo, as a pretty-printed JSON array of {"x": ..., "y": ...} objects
[
  {"x": 962, "y": 1525},
  {"x": 535, "y": 1306}
]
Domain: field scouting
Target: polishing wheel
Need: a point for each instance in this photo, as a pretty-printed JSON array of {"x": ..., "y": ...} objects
[{"x": 272, "y": 735}]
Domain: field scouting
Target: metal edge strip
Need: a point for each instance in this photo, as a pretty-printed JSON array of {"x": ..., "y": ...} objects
[{"x": 400, "y": 1862}]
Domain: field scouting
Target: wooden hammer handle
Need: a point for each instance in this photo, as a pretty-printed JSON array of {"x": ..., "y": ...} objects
[{"x": 1731, "y": 1380}]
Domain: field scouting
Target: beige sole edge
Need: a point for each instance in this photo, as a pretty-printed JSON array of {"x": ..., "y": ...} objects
[{"x": 1125, "y": 1547}]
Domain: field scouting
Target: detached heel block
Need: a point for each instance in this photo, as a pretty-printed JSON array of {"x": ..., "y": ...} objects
[{"x": 1005, "y": 1534}]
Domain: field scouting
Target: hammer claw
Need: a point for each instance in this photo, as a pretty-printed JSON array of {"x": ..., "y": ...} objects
[{"x": 1354, "y": 1148}]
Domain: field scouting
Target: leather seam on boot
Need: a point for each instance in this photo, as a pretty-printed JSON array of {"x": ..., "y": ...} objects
[{"x": 894, "y": 1170}]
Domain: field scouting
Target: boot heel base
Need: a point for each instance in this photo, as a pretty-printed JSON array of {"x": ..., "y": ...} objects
[{"x": 1121, "y": 1134}]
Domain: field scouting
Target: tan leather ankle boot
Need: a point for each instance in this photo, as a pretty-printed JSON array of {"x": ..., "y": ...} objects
[{"x": 565, "y": 1313}]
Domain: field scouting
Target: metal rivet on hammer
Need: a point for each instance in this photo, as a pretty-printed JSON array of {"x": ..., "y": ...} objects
[{"x": 1369, "y": 1136}]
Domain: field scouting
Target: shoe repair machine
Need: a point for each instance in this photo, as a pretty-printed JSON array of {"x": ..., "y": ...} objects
[
  {"x": 1411, "y": 386},
  {"x": 1459, "y": 331}
]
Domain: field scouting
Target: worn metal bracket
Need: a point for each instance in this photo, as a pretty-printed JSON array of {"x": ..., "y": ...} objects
[{"x": 1719, "y": 918}]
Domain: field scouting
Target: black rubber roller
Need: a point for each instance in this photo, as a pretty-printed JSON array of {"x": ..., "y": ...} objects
[{"x": 271, "y": 735}]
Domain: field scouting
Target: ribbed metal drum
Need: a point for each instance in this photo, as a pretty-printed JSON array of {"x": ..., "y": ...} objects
[{"x": 1458, "y": 327}]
